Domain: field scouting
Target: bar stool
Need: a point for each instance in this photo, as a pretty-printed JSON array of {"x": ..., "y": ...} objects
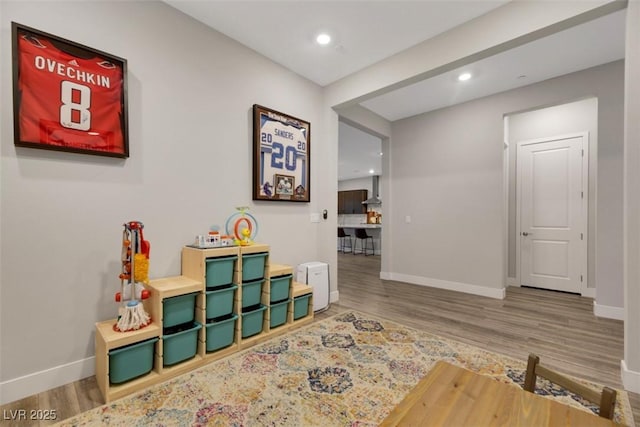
[
  {"x": 342, "y": 236},
  {"x": 363, "y": 237}
]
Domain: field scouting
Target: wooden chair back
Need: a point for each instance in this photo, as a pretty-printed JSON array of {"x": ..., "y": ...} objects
[{"x": 605, "y": 398}]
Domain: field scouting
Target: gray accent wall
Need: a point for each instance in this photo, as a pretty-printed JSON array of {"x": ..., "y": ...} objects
[
  {"x": 631, "y": 362},
  {"x": 447, "y": 175}
]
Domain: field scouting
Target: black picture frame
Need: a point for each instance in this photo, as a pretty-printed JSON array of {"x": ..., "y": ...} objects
[
  {"x": 67, "y": 96},
  {"x": 281, "y": 151}
]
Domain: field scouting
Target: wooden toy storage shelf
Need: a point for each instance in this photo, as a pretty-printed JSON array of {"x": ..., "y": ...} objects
[
  {"x": 161, "y": 289},
  {"x": 193, "y": 279},
  {"x": 107, "y": 339},
  {"x": 194, "y": 266}
]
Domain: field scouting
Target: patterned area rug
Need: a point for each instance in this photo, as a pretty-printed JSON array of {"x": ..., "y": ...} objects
[{"x": 348, "y": 370}]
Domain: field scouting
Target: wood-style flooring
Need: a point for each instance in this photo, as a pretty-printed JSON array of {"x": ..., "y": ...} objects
[{"x": 560, "y": 328}]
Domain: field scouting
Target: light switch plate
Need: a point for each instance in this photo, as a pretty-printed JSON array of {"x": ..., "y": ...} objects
[{"x": 315, "y": 217}]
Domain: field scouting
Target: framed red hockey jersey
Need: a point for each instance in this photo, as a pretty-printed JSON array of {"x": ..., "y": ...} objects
[{"x": 67, "y": 96}]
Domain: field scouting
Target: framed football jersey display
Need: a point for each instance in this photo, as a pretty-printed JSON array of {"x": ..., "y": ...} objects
[
  {"x": 281, "y": 150},
  {"x": 68, "y": 97}
]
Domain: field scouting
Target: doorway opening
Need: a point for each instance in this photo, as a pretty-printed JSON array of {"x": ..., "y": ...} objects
[
  {"x": 550, "y": 175},
  {"x": 360, "y": 207}
]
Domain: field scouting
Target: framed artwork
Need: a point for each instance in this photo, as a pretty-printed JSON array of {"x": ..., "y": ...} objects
[
  {"x": 68, "y": 97},
  {"x": 284, "y": 185},
  {"x": 281, "y": 150}
]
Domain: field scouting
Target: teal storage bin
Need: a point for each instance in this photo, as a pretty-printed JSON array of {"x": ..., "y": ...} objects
[
  {"x": 131, "y": 361},
  {"x": 301, "y": 306},
  {"x": 253, "y": 266},
  {"x": 220, "y": 302},
  {"x": 251, "y": 293},
  {"x": 252, "y": 321},
  {"x": 181, "y": 345},
  {"x": 178, "y": 310},
  {"x": 219, "y": 334},
  {"x": 280, "y": 288},
  {"x": 219, "y": 271},
  {"x": 278, "y": 313}
]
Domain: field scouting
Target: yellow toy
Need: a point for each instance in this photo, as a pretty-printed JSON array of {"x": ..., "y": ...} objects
[
  {"x": 242, "y": 226},
  {"x": 246, "y": 238}
]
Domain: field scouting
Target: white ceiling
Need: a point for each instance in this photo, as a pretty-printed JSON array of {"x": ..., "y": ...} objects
[
  {"x": 358, "y": 153},
  {"x": 367, "y": 31},
  {"x": 593, "y": 43},
  {"x": 363, "y": 32}
]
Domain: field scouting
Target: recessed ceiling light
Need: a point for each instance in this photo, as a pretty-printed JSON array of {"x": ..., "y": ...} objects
[
  {"x": 464, "y": 76},
  {"x": 323, "y": 39}
]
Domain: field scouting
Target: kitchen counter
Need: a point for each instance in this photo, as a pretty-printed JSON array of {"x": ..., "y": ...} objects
[{"x": 374, "y": 226}]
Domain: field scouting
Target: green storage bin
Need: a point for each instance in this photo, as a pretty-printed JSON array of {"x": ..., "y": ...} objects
[
  {"x": 301, "y": 306},
  {"x": 131, "y": 361},
  {"x": 178, "y": 310},
  {"x": 280, "y": 288},
  {"x": 219, "y": 334},
  {"x": 278, "y": 313},
  {"x": 251, "y": 293},
  {"x": 253, "y": 266},
  {"x": 180, "y": 346},
  {"x": 219, "y": 271},
  {"x": 220, "y": 302},
  {"x": 252, "y": 321}
]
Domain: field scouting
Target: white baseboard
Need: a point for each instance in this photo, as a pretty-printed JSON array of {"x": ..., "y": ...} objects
[
  {"x": 467, "y": 288},
  {"x": 385, "y": 275},
  {"x": 334, "y": 296},
  {"x": 589, "y": 292},
  {"x": 630, "y": 379},
  {"x": 608, "y": 312},
  {"x": 38, "y": 382}
]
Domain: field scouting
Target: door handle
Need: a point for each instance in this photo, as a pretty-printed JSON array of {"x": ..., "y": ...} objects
[{"x": 525, "y": 234}]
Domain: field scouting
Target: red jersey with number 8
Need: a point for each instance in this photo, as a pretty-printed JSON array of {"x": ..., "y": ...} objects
[{"x": 67, "y": 100}]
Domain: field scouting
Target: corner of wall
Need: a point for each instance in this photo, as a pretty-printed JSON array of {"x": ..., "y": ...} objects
[
  {"x": 608, "y": 312},
  {"x": 630, "y": 379}
]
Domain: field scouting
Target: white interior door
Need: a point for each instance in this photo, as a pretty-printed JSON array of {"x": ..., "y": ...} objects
[{"x": 551, "y": 176}]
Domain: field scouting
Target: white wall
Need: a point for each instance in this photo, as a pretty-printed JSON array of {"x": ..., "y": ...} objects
[
  {"x": 190, "y": 95},
  {"x": 446, "y": 174}
]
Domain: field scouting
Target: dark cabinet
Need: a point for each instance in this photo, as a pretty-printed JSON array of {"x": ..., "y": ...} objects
[
  {"x": 342, "y": 197},
  {"x": 350, "y": 202}
]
